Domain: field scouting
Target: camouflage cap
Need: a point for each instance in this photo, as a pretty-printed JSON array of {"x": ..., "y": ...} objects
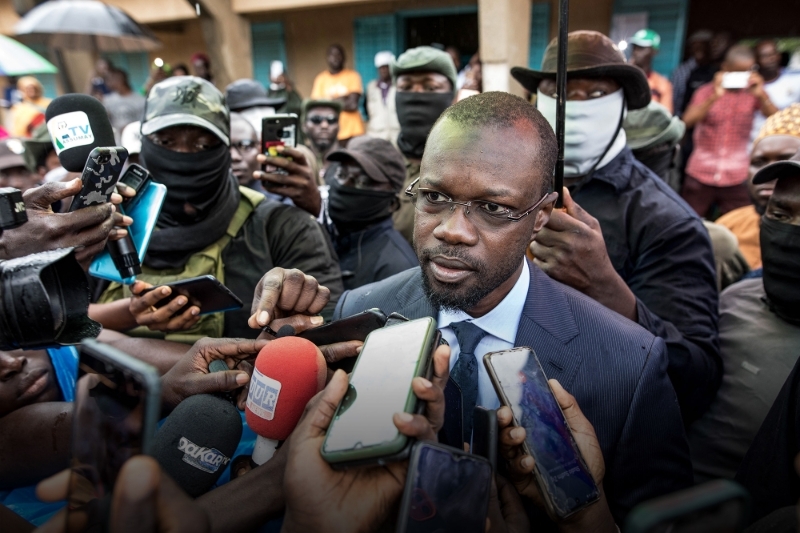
[
  {"x": 186, "y": 101},
  {"x": 308, "y": 105},
  {"x": 425, "y": 59}
]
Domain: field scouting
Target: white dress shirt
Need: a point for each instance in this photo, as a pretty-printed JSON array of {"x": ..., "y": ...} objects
[{"x": 500, "y": 325}]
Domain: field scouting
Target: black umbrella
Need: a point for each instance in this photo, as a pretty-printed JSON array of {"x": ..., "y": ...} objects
[
  {"x": 561, "y": 95},
  {"x": 84, "y": 25}
]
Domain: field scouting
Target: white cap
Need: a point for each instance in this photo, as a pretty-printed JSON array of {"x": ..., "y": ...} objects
[
  {"x": 383, "y": 59},
  {"x": 275, "y": 69},
  {"x": 131, "y": 137}
]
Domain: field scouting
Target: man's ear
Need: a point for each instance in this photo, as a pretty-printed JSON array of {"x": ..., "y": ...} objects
[{"x": 543, "y": 216}]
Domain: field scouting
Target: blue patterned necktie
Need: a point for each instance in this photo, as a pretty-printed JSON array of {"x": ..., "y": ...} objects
[{"x": 465, "y": 371}]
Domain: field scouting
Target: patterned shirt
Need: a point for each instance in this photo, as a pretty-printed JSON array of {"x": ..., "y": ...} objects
[{"x": 720, "y": 157}]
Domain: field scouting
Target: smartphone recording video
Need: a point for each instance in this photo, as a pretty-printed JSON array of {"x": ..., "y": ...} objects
[
  {"x": 446, "y": 490},
  {"x": 277, "y": 130},
  {"x": 363, "y": 430},
  {"x": 100, "y": 176},
  {"x": 562, "y": 474},
  {"x": 117, "y": 401}
]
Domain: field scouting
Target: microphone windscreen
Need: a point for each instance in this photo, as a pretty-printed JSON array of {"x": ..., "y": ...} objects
[
  {"x": 285, "y": 331},
  {"x": 288, "y": 372},
  {"x": 197, "y": 441},
  {"x": 78, "y": 123}
]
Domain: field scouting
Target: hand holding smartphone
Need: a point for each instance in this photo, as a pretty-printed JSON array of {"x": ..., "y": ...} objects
[
  {"x": 117, "y": 402},
  {"x": 562, "y": 475},
  {"x": 206, "y": 292},
  {"x": 446, "y": 489},
  {"x": 277, "y": 130},
  {"x": 100, "y": 176},
  {"x": 362, "y": 431}
]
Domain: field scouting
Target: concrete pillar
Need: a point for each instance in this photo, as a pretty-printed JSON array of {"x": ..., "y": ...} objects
[
  {"x": 228, "y": 41},
  {"x": 504, "y": 28}
]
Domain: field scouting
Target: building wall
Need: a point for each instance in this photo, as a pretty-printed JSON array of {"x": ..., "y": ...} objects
[
  {"x": 584, "y": 15},
  {"x": 181, "y": 40},
  {"x": 309, "y": 32}
]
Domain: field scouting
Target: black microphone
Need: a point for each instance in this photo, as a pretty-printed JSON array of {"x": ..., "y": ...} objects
[
  {"x": 78, "y": 124},
  {"x": 199, "y": 438},
  {"x": 197, "y": 441}
]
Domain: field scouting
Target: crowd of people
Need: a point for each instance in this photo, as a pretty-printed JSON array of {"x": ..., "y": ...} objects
[{"x": 663, "y": 299}]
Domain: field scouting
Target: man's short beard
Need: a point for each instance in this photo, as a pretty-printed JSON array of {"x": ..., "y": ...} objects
[
  {"x": 450, "y": 298},
  {"x": 323, "y": 145}
]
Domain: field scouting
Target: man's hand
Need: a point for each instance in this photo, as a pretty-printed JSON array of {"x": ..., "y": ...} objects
[
  {"x": 571, "y": 249},
  {"x": 755, "y": 85},
  {"x": 144, "y": 501},
  {"x": 300, "y": 184},
  {"x": 190, "y": 374},
  {"x": 719, "y": 90},
  {"x": 87, "y": 229},
  {"x": 282, "y": 293},
  {"x": 521, "y": 466},
  {"x": 319, "y": 497},
  {"x": 506, "y": 512},
  {"x": 166, "y": 318}
]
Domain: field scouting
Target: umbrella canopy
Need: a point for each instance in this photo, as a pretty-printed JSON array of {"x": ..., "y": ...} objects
[
  {"x": 84, "y": 24},
  {"x": 17, "y": 59}
]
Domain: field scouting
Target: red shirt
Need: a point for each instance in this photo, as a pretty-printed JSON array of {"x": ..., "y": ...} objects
[{"x": 720, "y": 157}]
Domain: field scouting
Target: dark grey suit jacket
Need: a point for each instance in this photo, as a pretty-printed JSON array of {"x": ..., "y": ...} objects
[{"x": 616, "y": 370}]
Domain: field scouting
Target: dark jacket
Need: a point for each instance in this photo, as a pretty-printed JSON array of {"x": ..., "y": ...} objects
[
  {"x": 659, "y": 246},
  {"x": 373, "y": 254},
  {"x": 276, "y": 235},
  {"x": 615, "y": 369}
]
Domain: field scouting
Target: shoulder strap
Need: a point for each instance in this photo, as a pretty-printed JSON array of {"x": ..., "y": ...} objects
[{"x": 248, "y": 202}]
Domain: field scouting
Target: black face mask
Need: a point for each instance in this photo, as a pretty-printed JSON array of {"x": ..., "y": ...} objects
[
  {"x": 780, "y": 253},
  {"x": 417, "y": 112},
  {"x": 354, "y": 209},
  {"x": 196, "y": 179}
]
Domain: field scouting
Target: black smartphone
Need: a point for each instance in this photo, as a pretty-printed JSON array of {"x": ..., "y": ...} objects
[
  {"x": 363, "y": 431},
  {"x": 564, "y": 479},
  {"x": 136, "y": 177},
  {"x": 351, "y": 328},
  {"x": 206, "y": 292},
  {"x": 277, "y": 130},
  {"x": 446, "y": 490},
  {"x": 117, "y": 403},
  {"x": 719, "y": 506},
  {"x": 484, "y": 434},
  {"x": 100, "y": 176},
  {"x": 452, "y": 432}
]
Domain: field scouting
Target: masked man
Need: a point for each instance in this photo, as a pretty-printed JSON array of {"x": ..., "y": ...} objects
[
  {"x": 364, "y": 181},
  {"x": 626, "y": 239},
  {"x": 209, "y": 224},
  {"x": 425, "y": 81},
  {"x": 759, "y": 331}
]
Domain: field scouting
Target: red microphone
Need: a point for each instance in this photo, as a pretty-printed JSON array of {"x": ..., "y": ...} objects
[{"x": 288, "y": 372}]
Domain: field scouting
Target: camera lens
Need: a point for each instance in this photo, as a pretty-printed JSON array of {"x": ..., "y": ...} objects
[{"x": 44, "y": 301}]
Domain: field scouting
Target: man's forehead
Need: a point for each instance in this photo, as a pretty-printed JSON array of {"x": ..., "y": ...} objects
[
  {"x": 241, "y": 128},
  {"x": 321, "y": 110},
  {"x": 422, "y": 75},
  {"x": 497, "y": 156}
]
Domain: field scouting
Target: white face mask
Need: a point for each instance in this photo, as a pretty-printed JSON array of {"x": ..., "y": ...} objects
[{"x": 588, "y": 128}]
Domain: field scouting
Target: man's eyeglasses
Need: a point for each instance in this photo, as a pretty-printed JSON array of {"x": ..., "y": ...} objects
[
  {"x": 245, "y": 145},
  {"x": 488, "y": 215},
  {"x": 319, "y": 119}
]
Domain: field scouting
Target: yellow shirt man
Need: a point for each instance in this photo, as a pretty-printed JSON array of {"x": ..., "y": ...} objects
[{"x": 329, "y": 86}]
